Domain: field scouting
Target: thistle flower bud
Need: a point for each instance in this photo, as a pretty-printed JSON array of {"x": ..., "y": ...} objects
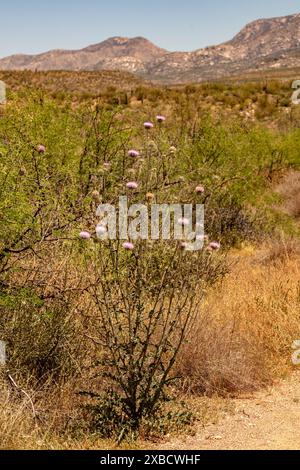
[
  {"x": 41, "y": 149},
  {"x": 200, "y": 189},
  {"x": 215, "y": 246},
  {"x": 132, "y": 185},
  {"x": 128, "y": 246},
  {"x": 133, "y": 153},
  {"x": 84, "y": 235}
]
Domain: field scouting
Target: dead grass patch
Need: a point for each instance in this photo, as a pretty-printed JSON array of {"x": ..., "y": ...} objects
[{"x": 243, "y": 339}]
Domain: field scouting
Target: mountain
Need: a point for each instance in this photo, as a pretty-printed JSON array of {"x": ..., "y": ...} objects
[
  {"x": 131, "y": 55},
  {"x": 261, "y": 45},
  {"x": 264, "y": 44}
]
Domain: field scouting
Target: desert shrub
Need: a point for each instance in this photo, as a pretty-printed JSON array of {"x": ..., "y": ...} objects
[
  {"x": 46, "y": 177},
  {"x": 237, "y": 164},
  {"x": 266, "y": 106},
  {"x": 38, "y": 322}
]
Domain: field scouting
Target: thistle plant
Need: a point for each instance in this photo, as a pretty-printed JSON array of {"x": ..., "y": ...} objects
[{"x": 144, "y": 293}]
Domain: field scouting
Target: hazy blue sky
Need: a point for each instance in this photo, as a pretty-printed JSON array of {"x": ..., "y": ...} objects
[{"x": 32, "y": 26}]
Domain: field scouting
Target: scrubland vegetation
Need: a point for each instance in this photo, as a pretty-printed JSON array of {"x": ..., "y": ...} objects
[{"x": 110, "y": 343}]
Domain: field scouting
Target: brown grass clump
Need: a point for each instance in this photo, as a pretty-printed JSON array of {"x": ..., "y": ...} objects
[
  {"x": 280, "y": 250},
  {"x": 16, "y": 416},
  {"x": 243, "y": 340},
  {"x": 289, "y": 189}
]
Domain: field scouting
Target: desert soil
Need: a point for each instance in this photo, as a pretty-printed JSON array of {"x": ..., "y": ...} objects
[{"x": 266, "y": 420}]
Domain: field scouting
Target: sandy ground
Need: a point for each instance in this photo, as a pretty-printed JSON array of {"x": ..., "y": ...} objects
[{"x": 267, "y": 420}]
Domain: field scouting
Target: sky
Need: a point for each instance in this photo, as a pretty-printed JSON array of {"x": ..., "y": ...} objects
[{"x": 33, "y": 26}]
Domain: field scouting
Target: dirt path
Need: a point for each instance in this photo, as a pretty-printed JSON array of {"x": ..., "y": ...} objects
[{"x": 268, "y": 420}]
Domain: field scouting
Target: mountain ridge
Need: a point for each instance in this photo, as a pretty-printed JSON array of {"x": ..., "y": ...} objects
[{"x": 263, "y": 43}]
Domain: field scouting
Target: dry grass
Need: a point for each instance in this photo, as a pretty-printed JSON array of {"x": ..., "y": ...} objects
[
  {"x": 51, "y": 425},
  {"x": 243, "y": 339},
  {"x": 280, "y": 250},
  {"x": 289, "y": 189}
]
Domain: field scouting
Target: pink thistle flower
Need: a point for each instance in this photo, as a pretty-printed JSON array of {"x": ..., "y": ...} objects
[
  {"x": 214, "y": 246},
  {"x": 183, "y": 221},
  {"x": 200, "y": 189},
  {"x": 160, "y": 118},
  {"x": 132, "y": 185},
  {"x": 128, "y": 246},
  {"x": 41, "y": 148},
  {"x": 148, "y": 125},
  {"x": 84, "y": 235},
  {"x": 133, "y": 153}
]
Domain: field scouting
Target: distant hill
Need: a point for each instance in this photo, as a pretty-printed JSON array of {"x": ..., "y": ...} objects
[{"x": 265, "y": 44}]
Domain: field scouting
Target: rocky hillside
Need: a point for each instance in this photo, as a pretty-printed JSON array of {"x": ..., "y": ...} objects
[
  {"x": 261, "y": 45},
  {"x": 116, "y": 53}
]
